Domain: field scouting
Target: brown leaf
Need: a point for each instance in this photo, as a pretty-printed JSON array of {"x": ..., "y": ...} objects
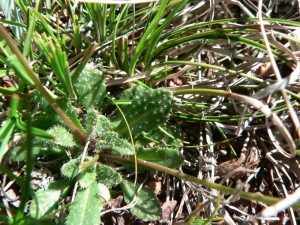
[{"x": 167, "y": 209}]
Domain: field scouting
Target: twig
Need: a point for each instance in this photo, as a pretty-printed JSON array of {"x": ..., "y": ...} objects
[
  {"x": 281, "y": 205},
  {"x": 79, "y": 169},
  {"x": 293, "y": 114},
  {"x": 237, "y": 170}
]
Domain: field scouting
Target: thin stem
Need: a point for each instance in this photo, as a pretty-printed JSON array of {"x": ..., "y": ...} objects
[{"x": 208, "y": 184}]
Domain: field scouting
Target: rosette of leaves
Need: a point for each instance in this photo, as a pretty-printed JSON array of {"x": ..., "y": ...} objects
[{"x": 144, "y": 119}]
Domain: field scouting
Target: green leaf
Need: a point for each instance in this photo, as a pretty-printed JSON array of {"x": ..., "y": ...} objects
[
  {"x": 22, "y": 126},
  {"x": 70, "y": 169},
  {"x": 90, "y": 87},
  {"x": 152, "y": 26},
  {"x": 62, "y": 136},
  {"x": 104, "y": 191},
  {"x": 146, "y": 112},
  {"x": 97, "y": 124},
  {"x": 163, "y": 156},
  {"x": 87, "y": 176},
  {"x": 204, "y": 221},
  {"x": 113, "y": 142},
  {"x": 20, "y": 70},
  {"x": 42, "y": 122},
  {"x": 200, "y": 222},
  {"x": 65, "y": 104},
  {"x": 5, "y": 134},
  {"x": 18, "y": 152},
  {"x": 103, "y": 125},
  {"x": 87, "y": 207},
  {"x": 91, "y": 120},
  {"x": 169, "y": 135},
  {"x": 12, "y": 14},
  {"x": 6, "y": 219},
  {"x": 48, "y": 199},
  {"x": 128, "y": 94},
  {"x": 57, "y": 58},
  {"x": 108, "y": 176},
  {"x": 147, "y": 206}
]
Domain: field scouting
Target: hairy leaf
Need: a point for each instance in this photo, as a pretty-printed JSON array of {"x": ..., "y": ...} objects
[
  {"x": 128, "y": 94},
  {"x": 62, "y": 136},
  {"x": 112, "y": 141},
  {"x": 163, "y": 156},
  {"x": 70, "y": 169},
  {"x": 149, "y": 109},
  {"x": 97, "y": 124},
  {"x": 48, "y": 199},
  {"x": 108, "y": 176},
  {"x": 90, "y": 87},
  {"x": 87, "y": 176},
  {"x": 147, "y": 206},
  {"x": 87, "y": 207}
]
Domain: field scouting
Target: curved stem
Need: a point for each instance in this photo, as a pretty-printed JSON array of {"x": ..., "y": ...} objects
[{"x": 208, "y": 184}]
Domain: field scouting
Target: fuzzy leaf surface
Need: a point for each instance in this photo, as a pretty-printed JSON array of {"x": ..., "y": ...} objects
[
  {"x": 108, "y": 176},
  {"x": 62, "y": 136},
  {"x": 97, "y": 124},
  {"x": 65, "y": 104},
  {"x": 70, "y": 169},
  {"x": 48, "y": 199},
  {"x": 87, "y": 207},
  {"x": 90, "y": 87},
  {"x": 113, "y": 142},
  {"x": 163, "y": 156},
  {"x": 128, "y": 94},
  {"x": 91, "y": 120},
  {"x": 87, "y": 176},
  {"x": 172, "y": 137},
  {"x": 149, "y": 109},
  {"x": 103, "y": 125},
  {"x": 147, "y": 206}
]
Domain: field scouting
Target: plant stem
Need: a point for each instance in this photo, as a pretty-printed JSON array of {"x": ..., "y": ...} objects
[{"x": 208, "y": 184}]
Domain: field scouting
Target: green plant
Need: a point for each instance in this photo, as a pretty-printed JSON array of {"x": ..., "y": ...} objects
[
  {"x": 103, "y": 136},
  {"x": 63, "y": 108}
]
